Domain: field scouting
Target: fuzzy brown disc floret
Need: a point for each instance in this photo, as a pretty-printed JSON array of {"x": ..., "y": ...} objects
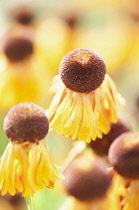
[
  {"x": 82, "y": 70},
  {"x": 17, "y": 48},
  {"x": 23, "y": 15},
  {"x": 101, "y": 146},
  {"x": 87, "y": 179},
  {"x": 71, "y": 19},
  {"x": 124, "y": 154},
  {"x": 26, "y": 122}
]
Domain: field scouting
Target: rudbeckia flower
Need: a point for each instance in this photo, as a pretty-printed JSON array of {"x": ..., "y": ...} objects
[
  {"x": 88, "y": 183},
  {"x": 123, "y": 156},
  {"x": 26, "y": 165},
  {"x": 86, "y": 100},
  {"x": 20, "y": 71}
]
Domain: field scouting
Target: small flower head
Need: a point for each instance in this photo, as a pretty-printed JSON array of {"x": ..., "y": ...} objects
[
  {"x": 23, "y": 15},
  {"x": 26, "y": 122},
  {"x": 87, "y": 178},
  {"x": 26, "y": 165},
  {"x": 85, "y": 102},
  {"x": 101, "y": 145},
  {"x": 18, "y": 47},
  {"x": 123, "y": 155},
  {"x": 82, "y": 70}
]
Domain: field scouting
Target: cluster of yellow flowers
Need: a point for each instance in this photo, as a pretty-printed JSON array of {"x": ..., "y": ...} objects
[{"x": 101, "y": 171}]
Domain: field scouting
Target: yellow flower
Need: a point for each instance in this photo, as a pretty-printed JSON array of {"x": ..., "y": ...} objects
[
  {"x": 20, "y": 72},
  {"x": 89, "y": 184},
  {"x": 54, "y": 38},
  {"x": 26, "y": 165},
  {"x": 123, "y": 156},
  {"x": 51, "y": 48},
  {"x": 86, "y": 100}
]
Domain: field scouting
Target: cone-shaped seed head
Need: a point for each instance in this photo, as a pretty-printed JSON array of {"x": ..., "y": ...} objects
[
  {"x": 87, "y": 179},
  {"x": 17, "y": 48},
  {"x": 101, "y": 146},
  {"x": 124, "y": 155},
  {"x": 26, "y": 122},
  {"x": 23, "y": 15},
  {"x": 82, "y": 70}
]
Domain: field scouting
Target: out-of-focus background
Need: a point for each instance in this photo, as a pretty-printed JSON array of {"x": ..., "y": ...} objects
[{"x": 54, "y": 28}]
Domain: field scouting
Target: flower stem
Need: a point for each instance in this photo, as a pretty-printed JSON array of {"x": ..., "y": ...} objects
[
  {"x": 78, "y": 148},
  {"x": 29, "y": 202}
]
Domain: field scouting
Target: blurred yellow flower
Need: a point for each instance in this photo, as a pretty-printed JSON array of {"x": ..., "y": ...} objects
[
  {"x": 21, "y": 74},
  {"x": 54, "y": 38},
  {"x": 123, "y": 156},
  {"x": 90, "y": 184}
]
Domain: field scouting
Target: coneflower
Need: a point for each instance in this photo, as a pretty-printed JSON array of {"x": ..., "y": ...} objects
[
  {"x": 86, "y": 99},
  {"x": 26, "y": 165},
  {"x": 123, "y": 156}
]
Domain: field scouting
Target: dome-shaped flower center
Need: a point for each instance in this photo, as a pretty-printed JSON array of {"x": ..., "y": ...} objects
[
  {"x": 87, "y": 178},
  {"x": 123, "y": 155},
  {"x": 82, "y": 70},
  {"x": 17, "y": 48},
  {"x": 23, "y": 15},
  {"x": 101, "y": 146},
  {"x": 26, "y": 122}
]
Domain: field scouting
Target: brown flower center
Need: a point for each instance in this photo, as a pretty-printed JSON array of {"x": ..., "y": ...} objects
[
  {"x": 26, "y": 122},
  {"x": 17, "y": 48},
  {"x": 23, "y": 15},
  {"x": 123, "y": 155},
  {"x": 87, "y": 179},
  {"x": 82, "y": 70},
  {"x": 101, "y": 146}
]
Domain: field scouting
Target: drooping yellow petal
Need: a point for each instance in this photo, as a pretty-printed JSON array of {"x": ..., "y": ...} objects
[
  {"x": 27, "y": 190},
  {"x": 116, "y": 192},
  {"x": 85, "y": 116},
  {"x": 8, "y": 184},
  {"x": 55, "y": 103},
  {"x": 33, "y": 167},
  {"x": 87, "y": 122},
  {"x": 26, "y": 167},
  {"x": 40, "y": 174},
  {"x": 18, "y": 168},
  {"x": 9, "y": 177},
  {"x": 52, "y": 172},
  {"x": 75, "y": 118},
  {"x": 3, "y": 162},
  {"x": 131, "y": 197},
  {"x": 65, "y": 105}
]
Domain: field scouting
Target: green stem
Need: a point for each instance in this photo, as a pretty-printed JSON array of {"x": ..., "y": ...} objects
[
  {"x": 29, "y": 202},
  {"x": 78, "y": 148}
]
